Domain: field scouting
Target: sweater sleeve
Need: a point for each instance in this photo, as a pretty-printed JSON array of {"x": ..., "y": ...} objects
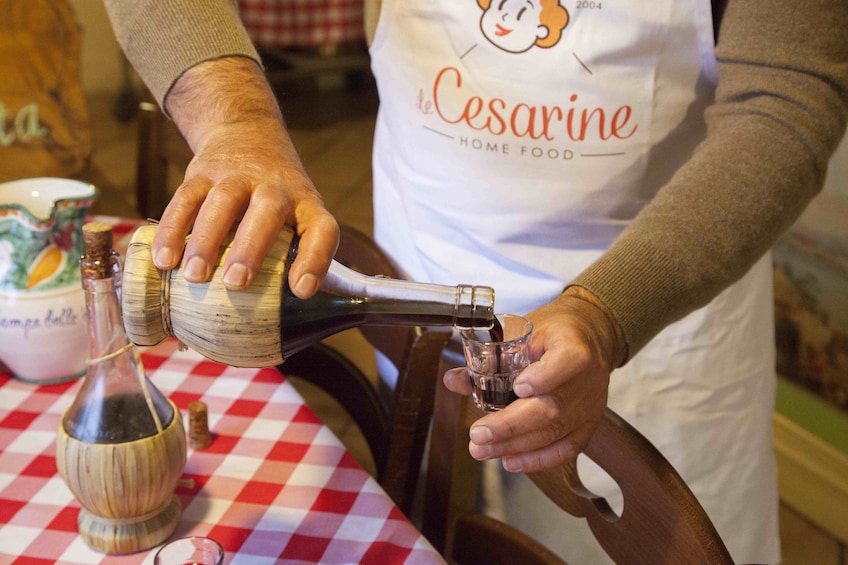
[
  {"x": 164, "y": 38},
  {"x": 780, "y": 112}
]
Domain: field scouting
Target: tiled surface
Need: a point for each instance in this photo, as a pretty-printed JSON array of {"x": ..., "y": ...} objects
[{"x": 337, "y": 156}]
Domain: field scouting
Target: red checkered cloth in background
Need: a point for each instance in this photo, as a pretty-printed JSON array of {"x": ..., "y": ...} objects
[
  {"x": 275, "y": 486},
  {"x": 303, "y": 23}
]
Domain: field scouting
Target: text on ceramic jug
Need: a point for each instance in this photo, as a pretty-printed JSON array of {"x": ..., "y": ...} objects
[{"x": 51, "y": 319}]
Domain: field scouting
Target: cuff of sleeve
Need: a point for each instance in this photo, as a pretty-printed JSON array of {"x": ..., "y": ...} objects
[
  {"x": 641, "y": 287},
  {"x": 198, "y": 30}
]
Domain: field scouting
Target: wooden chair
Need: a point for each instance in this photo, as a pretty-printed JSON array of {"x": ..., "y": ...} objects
[
  {"x": 662, "y": 521},
  {"x": 395, "y": 423},
  {"x": 160, "y": 147}
]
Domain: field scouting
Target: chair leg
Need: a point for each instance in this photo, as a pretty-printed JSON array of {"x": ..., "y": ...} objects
[
  {"x": 413, "y": 410},
  {"x": 152, "y": 172},
  {"x": 445, "y": 498}
]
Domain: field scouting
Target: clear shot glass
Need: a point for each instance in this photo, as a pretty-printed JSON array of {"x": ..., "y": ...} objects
[
  {"x": 193, "y": 550},
  {"x": 494, "y": 358}
]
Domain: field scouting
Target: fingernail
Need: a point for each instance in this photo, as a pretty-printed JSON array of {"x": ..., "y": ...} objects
[
  {"x": 195, "y": 270},
  {"x": 522, "y": 390},
  {"x": 236, "y": 276},
  {"x": 480, "y": 452},
  {"x": 481, "y": 435},
  {"x": 306, "y": 285},
  {"x": 511, "y": 464},
  {"x": 165, "y": 258}
]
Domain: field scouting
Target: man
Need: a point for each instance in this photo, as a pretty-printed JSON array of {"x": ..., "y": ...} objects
[{"x": 607, "y": 149}]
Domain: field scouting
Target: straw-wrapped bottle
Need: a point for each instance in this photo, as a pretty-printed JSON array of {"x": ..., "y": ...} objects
[
  {"x": 264, "y": 323},
  {"x": 121, "y": 446}
]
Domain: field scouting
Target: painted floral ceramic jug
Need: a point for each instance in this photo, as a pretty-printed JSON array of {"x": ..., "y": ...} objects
[{"x": 43, "y": 331}]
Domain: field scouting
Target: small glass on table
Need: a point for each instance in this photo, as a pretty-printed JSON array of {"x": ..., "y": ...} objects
[
  {"x": 494, "y": 358},
  {"x": 195, "y": 550}
]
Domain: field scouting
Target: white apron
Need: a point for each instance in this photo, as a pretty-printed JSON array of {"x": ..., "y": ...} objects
[{"x": 514, "y": 141}]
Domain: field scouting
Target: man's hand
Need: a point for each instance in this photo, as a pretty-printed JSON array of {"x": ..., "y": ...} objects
[
  {"x": 562, "y": 394},
  {"x": 245, "y": 174}
]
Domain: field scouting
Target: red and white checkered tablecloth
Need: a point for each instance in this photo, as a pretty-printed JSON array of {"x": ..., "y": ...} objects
[
  {"x": 303, "y": 23},
  {"x": 275, "y": 486}
]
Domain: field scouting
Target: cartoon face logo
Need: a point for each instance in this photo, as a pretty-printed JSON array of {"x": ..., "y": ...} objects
[{"x": 517, "y": 25}]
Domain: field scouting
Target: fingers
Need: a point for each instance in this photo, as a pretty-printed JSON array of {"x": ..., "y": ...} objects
[
  {"x": 319, "y": 238},
  {"x": 533, "y": 431},
  {"x": 560, "y": 363},
  {"x": 259, "y": 212},
  {"x": 225, "y": 202},
  {"x": 530, "y": 434},
  {"x": 255, "y": 235},
  {"x": 209, "y": 211},
  {"x": 555, "y": 454},
  {"x": 526, "y": 424},
  {"x": 562, "y": 395},
  {"x": 176, "y": 221},
  {"x": 456, "y": 380},
  {"x": 536, "y": 435}
]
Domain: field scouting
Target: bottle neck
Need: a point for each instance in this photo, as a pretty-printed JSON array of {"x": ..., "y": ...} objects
[
  {"x": 348, "y": 299},
  {"x": 105, "y": 327},
  {"x": 407, "y": 302}
]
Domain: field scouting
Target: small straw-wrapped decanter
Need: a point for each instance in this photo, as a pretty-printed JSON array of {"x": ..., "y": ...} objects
[
  {"x": 263, "y": 324},
  {"x": 121, "y": 446}
]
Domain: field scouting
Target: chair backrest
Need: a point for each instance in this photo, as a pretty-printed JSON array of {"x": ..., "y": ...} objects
[
  {"x": 416, "y": 353},
  {"x": 661, "y": 521},
  {"x": 160, "y": 147},
  {"x": 395, "y": 423}
]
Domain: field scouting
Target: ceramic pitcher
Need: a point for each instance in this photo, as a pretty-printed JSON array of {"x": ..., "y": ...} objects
[{"x": 43, "y": 330}]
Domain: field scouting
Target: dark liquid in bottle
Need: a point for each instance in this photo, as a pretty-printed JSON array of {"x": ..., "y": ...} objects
[{"x": 304, "y": 321}]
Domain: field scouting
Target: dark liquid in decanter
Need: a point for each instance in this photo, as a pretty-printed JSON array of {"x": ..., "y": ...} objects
[{"x": 120, "y": 419}]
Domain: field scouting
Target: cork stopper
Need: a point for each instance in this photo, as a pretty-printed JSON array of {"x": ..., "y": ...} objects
[
  {"x": 198, "y": 425},
  {"x": 98, "y": 249}
]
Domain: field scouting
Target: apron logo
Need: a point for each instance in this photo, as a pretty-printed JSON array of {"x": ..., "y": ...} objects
[
  {"x": 522, "y": 127},
  {"x": 516, "y": 26}
]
